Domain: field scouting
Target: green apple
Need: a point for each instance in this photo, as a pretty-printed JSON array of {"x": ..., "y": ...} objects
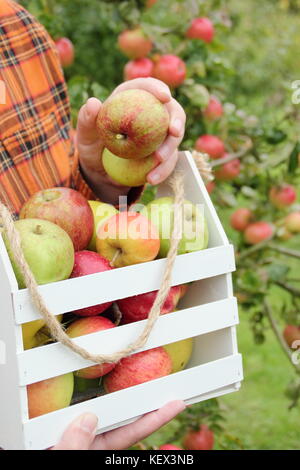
[
  {"x": 47, "y": 248},
  {"x": 180, "y": 353},
  {"x": 83, "y": 385},
  {"x": 195, "y": 232},
  {"x": 101, "y": 213},
  {"x": 128, "y": 172}
]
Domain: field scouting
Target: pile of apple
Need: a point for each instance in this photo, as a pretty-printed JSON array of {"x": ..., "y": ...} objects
[{"x": 65, "y": 236}]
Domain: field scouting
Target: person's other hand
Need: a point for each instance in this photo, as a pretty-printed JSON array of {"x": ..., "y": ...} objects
[{"x": 81, "y": 434}]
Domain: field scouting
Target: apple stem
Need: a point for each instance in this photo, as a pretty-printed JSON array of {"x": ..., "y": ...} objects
[
  {"x": 117, "y": 253},
  {"x": 38, "y": 230},
  {"x": 120, "y": 137}
]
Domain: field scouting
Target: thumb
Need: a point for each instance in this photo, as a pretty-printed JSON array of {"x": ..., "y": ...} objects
[
  {"x": 87, "y": 133},
  {"x": 80, "y": 434}
]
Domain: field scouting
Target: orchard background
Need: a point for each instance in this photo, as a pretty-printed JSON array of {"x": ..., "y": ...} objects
[{"x": 250, "y": 68}]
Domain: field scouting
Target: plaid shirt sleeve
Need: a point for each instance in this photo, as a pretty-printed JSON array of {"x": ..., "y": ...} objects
[{"x": 35, "y": 124}]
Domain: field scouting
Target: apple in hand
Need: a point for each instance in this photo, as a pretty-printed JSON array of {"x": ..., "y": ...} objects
[
  {"x": 47, "y": 248},
  {"x": 134, "y": 43},
  {"x": 180, "y": 353},
  {"x": 131, "y": 172},
  {"x": 210, "y": 144},
  {"x": 89, "y": 262},
  {"x": 138, "y": 368},
  {"x": 101, "y": 212},
  {"x": 85, "y": 326},
  {"x": 202, "y": 439},
  {"x": 195, "y": 232},
  {"x": 291, "y": 333},
  {"x": 133, "y": 124},
  {"x": 50, "y": 395},
  {"x": 65, "y": 51},
  {"x": 138, "y": 307},
  {"x": 66, "y": 208},
  {"x": 128, "y": 238},
  {"x": 138, "y": 68},
  {"x": 201, "y": 28},
  {"x": 170, "y": 69}
]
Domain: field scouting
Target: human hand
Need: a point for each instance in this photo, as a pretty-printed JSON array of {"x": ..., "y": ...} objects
[
  {"x": 81, "y": 434},
  {"x": 90, "y": 146}
]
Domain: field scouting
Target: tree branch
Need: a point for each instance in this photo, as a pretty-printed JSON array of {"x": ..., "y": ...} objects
[
  {"x": 288, "y": 287},
  {"x": 244, "y": 150}
]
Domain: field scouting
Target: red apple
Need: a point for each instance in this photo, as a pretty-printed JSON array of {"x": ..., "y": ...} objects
[
  {"x": 170, "y": 69},
  {"x": 169, "y": 447},
  {"x": 85, "y": 326},
  {"x": 138, "y": 307},
  {"x": 184, "y": 288},
  {"x": 128, "y": 238},
  {"x": 150, "y": 3},
  {"x": 89, "y": 262},
  {"x": 201, "y": 28},
  {"x": 214, "y": 109},
  {"x": 292, "y": 222},
  {"x": 66, "y": 208},
  {"x": 203, "y": 439},
  {"x": 258, "y": 232},
  {"x": 282, "y": 196},
  {"x": 134, "y": 44},
  {"x": 291, "y": 333},
  {"x": 138, "y": 68},
  {"x": 228, "y": 171},
  {"x": 138, "y": 368},
  {"x": 66, "y": 51},
  {"x": 211, "y": 145},
  {"x": 241, "y": 218},
  {"x": 210, "y": 186}
]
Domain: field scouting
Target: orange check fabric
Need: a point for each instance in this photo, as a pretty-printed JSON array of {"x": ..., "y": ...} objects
[{"x": 36, "y": 150}]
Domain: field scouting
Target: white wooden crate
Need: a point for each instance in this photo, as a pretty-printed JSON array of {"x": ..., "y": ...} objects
[{"x": 208, "y": 313}]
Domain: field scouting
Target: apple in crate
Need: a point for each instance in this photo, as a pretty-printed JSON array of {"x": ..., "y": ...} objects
[
  {"x": 66, "y": 208},
  {"x": 50, "y": 395},
  {"x": 36, "y": 333},
  {"x": 138, "y": 368},
  {"x": 195, "y": 231},
  {"x": 101, "y": 213},
  {"x": 85, "y": 326},
  {"x": 133, "y": 124},
  {"x": 47, "y": 248},
  {"x": 128, "y": 238},
  {"x": 89, "y": 262},
  {"x": 180, "y": 353},
  {"x": 138, "y": 307},
  {"x": 127, "y": 172}
]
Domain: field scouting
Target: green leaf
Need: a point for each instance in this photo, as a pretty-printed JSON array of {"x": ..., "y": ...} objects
[{"x": 294, "y": 158}]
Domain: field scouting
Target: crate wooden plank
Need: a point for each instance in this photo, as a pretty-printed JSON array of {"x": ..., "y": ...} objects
[
  {"x": 65, "y": 296},
  {"x": 117, "y": 407},
  {"x": 168, "y": 329}
]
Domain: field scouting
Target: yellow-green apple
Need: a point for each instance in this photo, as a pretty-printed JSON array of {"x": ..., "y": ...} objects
[
  {"x": 241, "y": 218},
  {"x": 170, "y": 69},
  {"x": 89, "y": 262},
  {"x": 138, "y": 307},
  {"x": 291, "y": 333},
  {"x": 292, "y": 222},
  {"x": 201, "y": 28},
  {"x": 180, "y": 353},
  {"x": 101, "y": 212},
  {"x": 195, "y": 232},
  {"x": 214, "y": 109},
  {"x": 66, "y": 51},
  {"x": 85, "y": 326},
  {"x": 131, "y": 172},
  {"x": 47, "y": 248},
  {"x": 128, "y": 238},
  {"x": 138, "y": 368},
  {"x": 134, "y": 43},
  {"x": 133, "y": 124},
  {"x": 282, "y": 196},
  {"x": 258, "y": 232},
  {"x": 50, "y": 395},
  {"x": 66, "y": 208},
  {"x": 210, "y": 144},
  {"x": 36, "y": 333},
  {"x": 138, "y": 68}
]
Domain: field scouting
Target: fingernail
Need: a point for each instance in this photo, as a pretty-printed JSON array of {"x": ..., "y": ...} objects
[
  {"x": 88, "y": 423},
  {"x": 177, "y": 125}
]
